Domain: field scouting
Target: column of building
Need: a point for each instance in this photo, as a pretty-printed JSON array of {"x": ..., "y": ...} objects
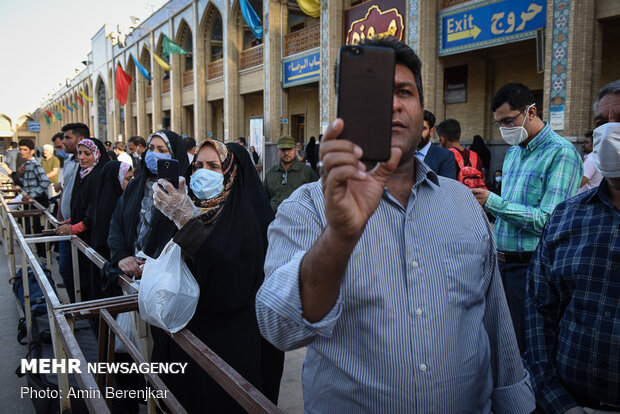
[
  {"x": 272, "y": 66},
  {"x": 233, "y": 43},
  {"x": 200, "y": 79},
  {"x": 331, "y": 40},
  {"x": 141, "y": 83},
  {"x": 157, "y": 74},
  {"x": 581, "y": 52},
  {"x": 176, "y": 76}
]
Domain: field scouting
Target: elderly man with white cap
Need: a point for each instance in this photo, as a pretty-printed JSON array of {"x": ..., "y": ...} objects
[{"x": 51, "y": 165}]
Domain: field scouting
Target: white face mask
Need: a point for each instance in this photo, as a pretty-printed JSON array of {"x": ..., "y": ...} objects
[
  {"x": 606, "y": 152},
  {"x": 515, "y": 135}
]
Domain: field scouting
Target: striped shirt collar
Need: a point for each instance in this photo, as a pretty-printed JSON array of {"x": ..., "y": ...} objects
[{"x": 423, "y": 174}]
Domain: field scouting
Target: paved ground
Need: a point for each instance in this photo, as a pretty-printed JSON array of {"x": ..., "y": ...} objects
[
  {"x": 291, "y": 400},
  {"x": 12, "y": 351}
]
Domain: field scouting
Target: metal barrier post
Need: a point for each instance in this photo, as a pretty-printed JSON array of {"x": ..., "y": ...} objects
[
  {"x": 76, "y": 273},
  {"x": 26, "y": 288},
  {"x": 60, "y": 354},
  {"x": 11, "y": 252},
  {"x": 48, "y": 245},
  {"x": 3, "y": 226}
]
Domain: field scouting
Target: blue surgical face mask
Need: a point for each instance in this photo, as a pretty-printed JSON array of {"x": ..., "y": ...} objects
[
  {"x": 498, "y": 179},
  {"x": 151, "y": 160},
  {"x": 61, "y": 154},
  {"x": 206, "y": 184}
]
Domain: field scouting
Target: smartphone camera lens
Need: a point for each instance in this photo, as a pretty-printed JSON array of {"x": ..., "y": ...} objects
[{"x": 167, "y": 164}]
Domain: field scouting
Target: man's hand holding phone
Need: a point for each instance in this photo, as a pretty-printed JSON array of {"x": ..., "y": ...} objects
[{"x": 351, "y": 193}]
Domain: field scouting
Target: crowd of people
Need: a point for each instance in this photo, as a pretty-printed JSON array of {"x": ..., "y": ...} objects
[{"x": 406, "y": 296}]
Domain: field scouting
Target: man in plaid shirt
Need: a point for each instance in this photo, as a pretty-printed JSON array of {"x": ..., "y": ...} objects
[
  {"x": 541, "y": 170},
  {"x": 33, "y": 180},
  {"x": 573, "y": 287}
]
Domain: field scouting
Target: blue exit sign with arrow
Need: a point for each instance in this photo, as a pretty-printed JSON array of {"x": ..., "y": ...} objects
[{"x": 489, "y": 23}]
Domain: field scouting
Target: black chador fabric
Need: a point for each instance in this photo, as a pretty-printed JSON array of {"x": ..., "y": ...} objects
[
  {"x": 126, "y": 216},
  {"x": 479, "y": 147},
  {"x": 226, "y": 257},
  {"x": 84, "y": 199},
  {"x": 110, "y": 193},
  {"x": 86, "y": 192}
]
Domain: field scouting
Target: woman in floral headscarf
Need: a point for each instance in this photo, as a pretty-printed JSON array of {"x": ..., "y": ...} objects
[
  {"x": 92, "y": 157},
  {"x": 223, "y": 235}
]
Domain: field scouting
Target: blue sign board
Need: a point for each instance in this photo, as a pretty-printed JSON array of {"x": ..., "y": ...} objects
[
  {"x": 301, "y": 68},
  {"x": 34, "y": 126},
  {"x": 489, "y": 23}
]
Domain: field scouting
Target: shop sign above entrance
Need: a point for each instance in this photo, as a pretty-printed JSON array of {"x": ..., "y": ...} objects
[
  {"x": 301, "y": 68},
  {"x": 489, "y": 23},
  {"x": 34, "y": 126},
  {"x": 378, "y": 18}
]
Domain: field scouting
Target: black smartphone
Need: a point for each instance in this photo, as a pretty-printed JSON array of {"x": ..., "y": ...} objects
[
  {"x": 169, "y": 170},
  {"x": 365, "y": 87}
]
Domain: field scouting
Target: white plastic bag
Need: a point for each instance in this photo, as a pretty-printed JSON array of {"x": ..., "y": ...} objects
[
  {"x": 125, "y": 320},
  {"x": 168, "y": 292}
]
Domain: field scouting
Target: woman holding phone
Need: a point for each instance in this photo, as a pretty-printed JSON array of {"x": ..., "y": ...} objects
[
  {"x": 136, "y": 225},
  {"x": 223, "y": 235}
]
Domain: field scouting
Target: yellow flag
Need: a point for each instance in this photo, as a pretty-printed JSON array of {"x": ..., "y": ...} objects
[
  {"x": 311, "y": 7},
  {"x": 88, "y": 98},
  {"x": 159, "y": 61}
]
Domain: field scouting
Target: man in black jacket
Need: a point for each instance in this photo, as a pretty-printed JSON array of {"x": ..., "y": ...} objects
[{"x": 438, "y": 159}]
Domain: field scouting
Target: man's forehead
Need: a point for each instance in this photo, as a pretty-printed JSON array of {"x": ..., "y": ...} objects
[
  {"x": 609, "y": 103},
  {"x": 504, "y": 111}
]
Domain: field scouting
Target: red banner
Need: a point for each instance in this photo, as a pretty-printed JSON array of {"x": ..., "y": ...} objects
[{"x": 123, "y": 80}]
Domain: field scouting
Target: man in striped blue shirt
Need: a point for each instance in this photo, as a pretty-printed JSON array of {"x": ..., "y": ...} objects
[
  {"x": 402, "y": 311},
  {"x": 541, "y": 169}
]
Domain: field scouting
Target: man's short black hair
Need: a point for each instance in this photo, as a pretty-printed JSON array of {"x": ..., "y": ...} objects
[
  {"x": 516, "y": 94},
  {"x": 137, "y": 140},
  {"x": 25, "y": 142},
  {"x": 79, "y": 129},
  {"x": 189, "y": 143},
  {"x": 404, "y": 56},
  {"x": 450, "y": 130},
  {"x": 58, "y": 135},
  {"x": 242, "y": 141},
  {"x": 13, "y": 144},
  {"x": 589, "y": 134},
  {"x": 430, "y": 118}
]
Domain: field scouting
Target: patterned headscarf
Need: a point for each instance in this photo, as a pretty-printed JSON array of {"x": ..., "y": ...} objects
[
  {"x": 211, "y": 208},
  {"x": 122, "y": 172},
  {"x": 161, "y": 134},
  {"x": 90, "y": 144}
]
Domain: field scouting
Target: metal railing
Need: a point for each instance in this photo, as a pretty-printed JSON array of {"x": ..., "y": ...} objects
[
  {"x": 251, "y": 57},
  {"x": 188, "y": 78},
  {"x": 215, "y": 69},
  {"x": 63, "y": 315},
  {"x": 301, "y": 40}
]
